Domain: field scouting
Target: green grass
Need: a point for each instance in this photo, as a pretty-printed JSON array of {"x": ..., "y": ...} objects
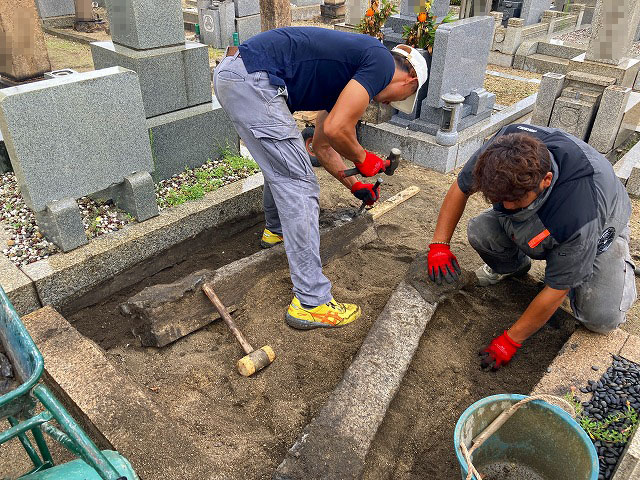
[
  {"x": 602, "y": 429},
  {"x": 206, "y": 178}
]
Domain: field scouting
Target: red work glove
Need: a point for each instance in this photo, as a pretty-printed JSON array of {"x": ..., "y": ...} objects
[
  {"x": 365, "y": 192},
  {"x": 441, "y": 263},
  {"x": 499, "y": 352},
  {"x": 371, "y": 166}
]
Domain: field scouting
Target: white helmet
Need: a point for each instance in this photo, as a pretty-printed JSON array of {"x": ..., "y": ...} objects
[{"x": 419, "y": 64}]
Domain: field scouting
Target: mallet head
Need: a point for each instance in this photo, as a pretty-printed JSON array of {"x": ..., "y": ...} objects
[{"x": 256, "y": 360}]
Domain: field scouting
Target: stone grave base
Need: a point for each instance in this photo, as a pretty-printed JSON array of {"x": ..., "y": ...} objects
[
  {"x": 189, "y": 137},
  {"x": 421, "y": 148}
]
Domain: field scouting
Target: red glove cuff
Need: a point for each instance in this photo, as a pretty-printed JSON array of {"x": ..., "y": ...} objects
[
  {"x": 510, "y": 340},
  {"x": 439, "y": 247}
]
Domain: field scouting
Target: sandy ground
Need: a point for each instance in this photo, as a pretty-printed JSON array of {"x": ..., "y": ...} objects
[{"x": 248, "y": 424}]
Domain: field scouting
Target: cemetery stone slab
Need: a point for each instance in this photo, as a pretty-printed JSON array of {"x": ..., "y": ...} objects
[
  {"x": 609, "y": 118},
  {"x": 171, "y": 78},
  {"x": 532, "y": 10},
  {"x": 73, "y": 136},
  {"x": 189, "y": 138},
  {"x": 550, "y": 88},
  {"x": 61, "y": 223},
  {"x": 244, "y": 8},
  {"x": 54, "y": 8},
  {"x": 144, "y": 24},
  {"x": 610, "y": 31},
  {"x": 23, "y": 53},
  {"x": 136, "y": 195},
  {"x": 355, "y": 11},
  {"x": 217, "y": 24},
  {"x": 457, "y": 63},
  {"x": 247, "y": 27},
  {"x": 573, "y": 116}
]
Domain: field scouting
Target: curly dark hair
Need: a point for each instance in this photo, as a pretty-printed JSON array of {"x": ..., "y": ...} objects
[{"x": 510, "y": 167}]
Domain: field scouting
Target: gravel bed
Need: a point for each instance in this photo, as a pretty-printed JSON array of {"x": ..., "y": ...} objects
[
  {"x": 617, "y": 393},
  {"x": 26, "y": 244}
]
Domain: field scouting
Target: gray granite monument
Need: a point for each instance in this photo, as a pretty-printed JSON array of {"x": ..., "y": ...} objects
[
  {"x": 176, "y": 89},
  {"x": 73, "y": 136},
  {"x": 409, "y": 10},
  {"x": 457, "y": 66}
]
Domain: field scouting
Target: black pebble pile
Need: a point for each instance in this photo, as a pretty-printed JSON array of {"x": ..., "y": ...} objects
[{"x": 617, "y": 386}]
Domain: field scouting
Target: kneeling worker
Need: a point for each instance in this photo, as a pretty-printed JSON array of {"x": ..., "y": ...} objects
[
  {"x": 555, "y": 198},
  {"x": 278, "y": 72}
]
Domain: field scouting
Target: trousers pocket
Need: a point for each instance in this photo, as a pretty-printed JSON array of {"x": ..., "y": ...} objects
[
  {"x": 629, "y": 293},
  {"x": 284, "y": 149},
  {"x": 229, "y": 76}
]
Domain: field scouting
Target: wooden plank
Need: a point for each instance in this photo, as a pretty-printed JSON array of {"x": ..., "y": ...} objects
[{"x": 394, "y": 201}]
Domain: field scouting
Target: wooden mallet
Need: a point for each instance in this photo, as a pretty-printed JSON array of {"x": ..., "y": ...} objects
[{"x": 254, "y": 360}]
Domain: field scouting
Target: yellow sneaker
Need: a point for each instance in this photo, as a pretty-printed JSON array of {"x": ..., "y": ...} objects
[
  {"x": 270, "y": 239},
  {"x": 329, "y": 315}
]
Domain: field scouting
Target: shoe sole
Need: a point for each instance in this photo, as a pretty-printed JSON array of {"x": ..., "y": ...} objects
[
  {"x": 306, "y": 325},
  {"x": 517, "y": 274},
  {"x": 266, "y": 245}
]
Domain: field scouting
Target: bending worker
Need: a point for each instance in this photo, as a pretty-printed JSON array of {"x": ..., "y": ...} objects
[
  {"x": 554, "y": 198},
  {"x": 280, "y": 71}
]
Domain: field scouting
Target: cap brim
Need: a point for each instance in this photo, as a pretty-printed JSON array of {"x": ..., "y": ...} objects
[{"x": 407, "y": 105}]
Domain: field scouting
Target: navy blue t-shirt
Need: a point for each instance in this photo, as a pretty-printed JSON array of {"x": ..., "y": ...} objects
[{"x": 316, "y": 64}]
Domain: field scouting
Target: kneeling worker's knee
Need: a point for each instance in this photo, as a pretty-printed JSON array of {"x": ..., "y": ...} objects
[{"x": 602, "y": 321}]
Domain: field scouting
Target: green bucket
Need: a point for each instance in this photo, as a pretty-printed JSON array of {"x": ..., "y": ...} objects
[{"x": 539, "y": 442}]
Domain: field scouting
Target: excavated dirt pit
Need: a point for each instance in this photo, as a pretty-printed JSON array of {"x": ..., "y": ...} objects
[{"x": 248, "y": 424}]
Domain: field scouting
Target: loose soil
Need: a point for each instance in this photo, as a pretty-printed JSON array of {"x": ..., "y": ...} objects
[{"x": 247, "y": 425}]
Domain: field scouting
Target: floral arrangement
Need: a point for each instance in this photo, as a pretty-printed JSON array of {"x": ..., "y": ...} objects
[
  {"x": 375, "y": 17},
  {"x": 422, "y": 34}
]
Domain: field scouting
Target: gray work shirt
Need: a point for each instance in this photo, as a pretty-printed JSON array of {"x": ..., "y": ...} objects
[{"x": 576, "y": 218}]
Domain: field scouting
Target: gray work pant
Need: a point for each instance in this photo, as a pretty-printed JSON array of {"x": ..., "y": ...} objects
[
  {"x": 260, "y": 114},
  {"x": 600, "y": 303}
]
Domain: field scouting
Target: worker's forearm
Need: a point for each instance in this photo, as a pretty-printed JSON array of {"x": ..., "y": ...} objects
[
  {"x": 345, "y": 142},
  {"x": 332, "y": 162},
  {"x": 450, "y": 212},
  {"x": 537, "y": 314}
]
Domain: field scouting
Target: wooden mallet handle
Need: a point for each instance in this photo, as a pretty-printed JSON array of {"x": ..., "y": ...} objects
[{"x": 246, "y": 346}]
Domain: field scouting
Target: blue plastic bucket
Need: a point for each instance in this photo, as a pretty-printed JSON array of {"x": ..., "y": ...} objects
[{"x": 539, "y": 442}]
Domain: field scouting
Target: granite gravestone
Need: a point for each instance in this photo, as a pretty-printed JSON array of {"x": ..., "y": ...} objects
[
  {"x": 23, "y": 53},
  {"x": 176, "y": 90},
  {"x": 54, "y": 8},
  {"x": 409, "y": 10},
  {"x": 457, "y": 66},
  {"x": 532, "y": 10},
  {"x": 73, "y": 136},
  {"x": 145, "y": 24}
]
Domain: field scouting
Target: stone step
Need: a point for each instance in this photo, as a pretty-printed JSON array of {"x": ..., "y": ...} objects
[
  {"x": 558, "y": 51},
  {"x": 541, "y": 63},
  {"x": 115, "y": 411}
]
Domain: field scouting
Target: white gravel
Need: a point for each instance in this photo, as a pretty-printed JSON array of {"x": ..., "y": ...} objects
[{"x": 26, "y": 244}]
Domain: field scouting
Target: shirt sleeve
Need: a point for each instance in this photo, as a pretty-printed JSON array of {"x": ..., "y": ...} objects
[
  {"x": 571, "y": 263},
  {"x": 376, "y": 70},
  {"x": 465, "y": 177}
]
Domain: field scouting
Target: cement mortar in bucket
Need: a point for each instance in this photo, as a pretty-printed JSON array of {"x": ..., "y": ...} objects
[{"x": 539, "y": 441}]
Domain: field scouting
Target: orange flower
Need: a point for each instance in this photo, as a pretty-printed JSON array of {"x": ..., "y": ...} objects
[
  {"x": 369, "y": 13},
  {"x": 422, "y": 17}
]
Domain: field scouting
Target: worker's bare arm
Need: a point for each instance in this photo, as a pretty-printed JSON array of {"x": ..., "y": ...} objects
[
  {"x": 537, "y": 313},
  {"x": 340, "y": 124},
  {"x": 330, "y": 160},
  {"x": 452, "y": 208}
]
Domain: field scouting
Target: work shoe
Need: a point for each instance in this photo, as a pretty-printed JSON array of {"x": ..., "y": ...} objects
[
  {"x": 486, "y": 276},
  {"x": 270, "y": 239},
  {"x": 329, "y": 315}
]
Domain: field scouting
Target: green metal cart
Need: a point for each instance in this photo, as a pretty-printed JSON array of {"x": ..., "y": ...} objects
[{"x": 19, "y": 407}]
